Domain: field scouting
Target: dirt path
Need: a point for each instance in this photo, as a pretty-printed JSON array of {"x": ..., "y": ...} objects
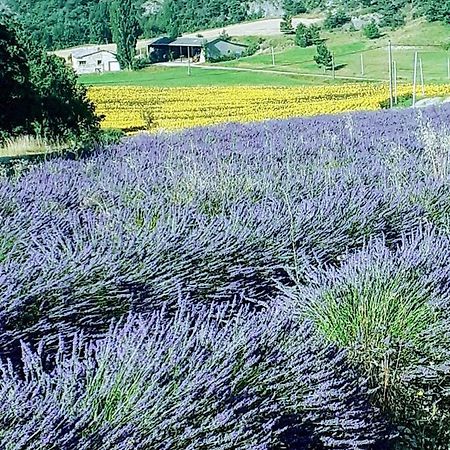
[{"x": 263, "y": 27}]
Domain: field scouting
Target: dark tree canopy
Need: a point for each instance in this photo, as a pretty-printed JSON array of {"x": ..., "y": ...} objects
[
  {"x": 15, "y": 87},
  {"x": 39, "y": 93}
]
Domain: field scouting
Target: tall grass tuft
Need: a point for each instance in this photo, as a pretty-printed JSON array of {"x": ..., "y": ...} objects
[
  {"x": 28, "y": 145},
  {"x": 387, "y": 307}
]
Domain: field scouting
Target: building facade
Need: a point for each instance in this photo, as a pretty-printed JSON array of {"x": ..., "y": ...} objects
[
  {"x": 198, "y": 49},
  {"x": 91, "y": 60}
]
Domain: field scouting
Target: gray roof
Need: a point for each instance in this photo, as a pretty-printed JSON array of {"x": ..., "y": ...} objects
[
  {"x": 83, "y": 52},
  {"x": 187, "y": 41},
  {"x": 160, "y": 41}
]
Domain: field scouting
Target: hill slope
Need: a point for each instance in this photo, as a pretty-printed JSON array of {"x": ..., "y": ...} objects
[{"x": 56, "y": 24}]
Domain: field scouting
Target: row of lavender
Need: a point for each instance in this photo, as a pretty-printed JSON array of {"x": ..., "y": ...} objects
[{"x": 248, "y": 257}]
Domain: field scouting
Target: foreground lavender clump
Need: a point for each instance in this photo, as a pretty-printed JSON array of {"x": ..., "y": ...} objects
[
  {"x": 194, "y": 381},
  {"x": 389, "y": 307}
]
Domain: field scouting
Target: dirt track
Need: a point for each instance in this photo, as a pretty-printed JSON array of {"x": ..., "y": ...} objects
[{"x": 264, "y": 27}]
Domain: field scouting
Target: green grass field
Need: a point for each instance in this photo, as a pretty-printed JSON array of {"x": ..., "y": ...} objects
[
  {"x": 428, "y": 38},
  {"x": 177, "y": 77}
]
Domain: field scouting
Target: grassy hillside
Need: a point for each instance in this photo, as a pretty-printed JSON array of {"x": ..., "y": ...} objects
[
  {"x": 294, "y": 62},
  {"x": 428, "y": 38}
]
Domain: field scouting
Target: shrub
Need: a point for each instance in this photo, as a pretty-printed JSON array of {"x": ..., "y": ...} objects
[{"x": 371, "y": 30}]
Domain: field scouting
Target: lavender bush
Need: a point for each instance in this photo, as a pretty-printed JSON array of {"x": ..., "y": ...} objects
[
  {"x": 389, "y": 308},
  {"x": 195, "y": 380}
]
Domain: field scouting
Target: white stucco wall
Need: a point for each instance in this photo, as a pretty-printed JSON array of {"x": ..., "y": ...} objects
[{"x": 101, "y": 61}]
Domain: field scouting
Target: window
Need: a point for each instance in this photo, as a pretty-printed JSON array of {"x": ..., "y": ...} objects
[
  {"x": 82, "y": 63},
  {"x": 99, "y": 62}
]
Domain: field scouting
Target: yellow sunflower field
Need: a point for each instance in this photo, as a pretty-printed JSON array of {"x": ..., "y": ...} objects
[{"x": 151, "y": 109}]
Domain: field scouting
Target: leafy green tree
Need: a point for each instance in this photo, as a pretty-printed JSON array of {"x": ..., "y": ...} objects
[
  {"x": 61, "y": 105},
  {"x": 323, "y": 58},
  {"x": 294, "y": 7},
  {"x": 286, "y": 25},
  {"x": 336, "y": 20},
  {"x": 16, "y": 92},
  {"x": 392, "y": 14},
  {"x": 371, "y": 30},
  {"x": 314, "y": 31},
  {"x": 435, "y": 10},
  {"x": 39, "y": 93},
  {"x": 125, "y": 31},
  {"x": 303, "y": 36},
  {"x": 100, "y": 23}
]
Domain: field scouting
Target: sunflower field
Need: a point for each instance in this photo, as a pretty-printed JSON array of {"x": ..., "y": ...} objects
[{"x": 149, "y": 109}]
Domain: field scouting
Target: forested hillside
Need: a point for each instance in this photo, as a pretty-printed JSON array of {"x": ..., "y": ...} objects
[{"x": 65, "y": 23}]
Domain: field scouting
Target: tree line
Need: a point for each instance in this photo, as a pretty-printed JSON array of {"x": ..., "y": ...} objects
[{"x": 60, "y": 24}]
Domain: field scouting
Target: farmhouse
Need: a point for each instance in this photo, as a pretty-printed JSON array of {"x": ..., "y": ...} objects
[
  {"x": 93, "y": 60},
  {"x": 198, "y": 49}
]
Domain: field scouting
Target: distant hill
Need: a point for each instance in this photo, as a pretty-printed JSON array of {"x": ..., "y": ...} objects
[{"x": 61, "y": 24}]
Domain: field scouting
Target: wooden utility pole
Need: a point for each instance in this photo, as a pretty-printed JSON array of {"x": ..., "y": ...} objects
[
  {"x": 273, "y": 57},
  {"x": 415, "y": 79},
  {"x": 189, "y": 60},
  {"x": 391, "y": 84},
  {"x": 362, "y": 65},
  {"x": 395, "y": 82},
  {"x": 421, "y": 77},
  {"x": 448, "y": 68},
  {"x": 333, "y": 66}
]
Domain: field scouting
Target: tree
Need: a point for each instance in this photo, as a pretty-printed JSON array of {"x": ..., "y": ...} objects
[
  {"x": 323, "y": 58},
  {"x": 336, "y": 20},
  {"x": 391, "y": 10},
  {"x": 286, "y": 25},
  {"x": 371, "y": 30},
  {"x": 39, "y": 93},
  {"x": 294, "y": 7},
  {"x": 15, "y": 88},
  {"x": 125, "y": 30},
  {"x": 303, "y": 36},
  {"x": 100, "y": 24},
  {"x": 315, "y": 34},
  {"x": 61, "y": 107}
]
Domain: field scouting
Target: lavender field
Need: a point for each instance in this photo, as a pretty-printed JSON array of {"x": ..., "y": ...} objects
[{"x": 282, "y": 285}]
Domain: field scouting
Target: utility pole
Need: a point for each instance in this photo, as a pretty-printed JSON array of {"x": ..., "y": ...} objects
[
  {"x": 362, "y": 65},
  {"x": 189, "y": 60},
  {"x": 395, "y": 83},
  {"x": 421, "y": 77},
  {"x": 448, "y": 68},
  {"x": 415, "y": 79},
  {"x": 333, "y": 66},
  {"x": 273, "y": 57},
  {"x": 391, "y": 96}
]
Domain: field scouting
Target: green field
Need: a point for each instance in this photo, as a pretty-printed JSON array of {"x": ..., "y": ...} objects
[
  {"x": 429, "y": 39},
  {"x": 158, "y": 76}
]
